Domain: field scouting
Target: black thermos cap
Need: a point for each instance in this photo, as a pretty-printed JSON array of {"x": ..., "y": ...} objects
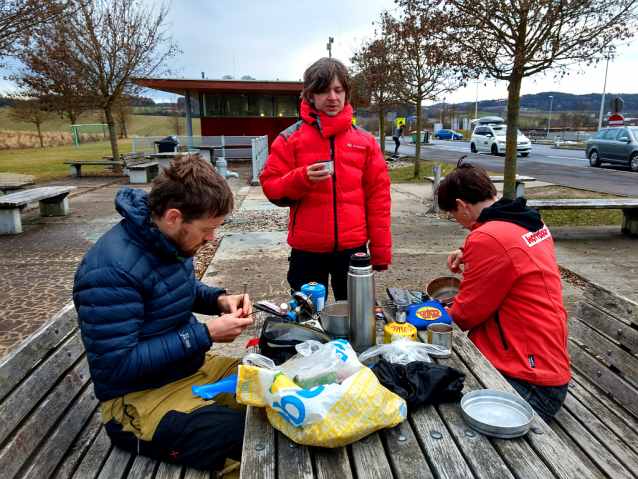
[{"x": 360, "y": 260}]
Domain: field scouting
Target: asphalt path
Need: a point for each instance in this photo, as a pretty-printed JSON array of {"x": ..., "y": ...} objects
[{"x": 545, "y": 163}]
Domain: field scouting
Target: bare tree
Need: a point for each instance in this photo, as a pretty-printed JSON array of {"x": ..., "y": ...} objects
[
  {"x": 513, "y": 40},
  {"x": 123, "y": 111},
  {"x": 18, "y": 17},
  {"x": 30, "y": 111},
  {"x": 373, "y": 67},
  {"x": 176, "y": 121},
  {"x": 101, "y": 46},
  {"x": 427, "y": 68}
]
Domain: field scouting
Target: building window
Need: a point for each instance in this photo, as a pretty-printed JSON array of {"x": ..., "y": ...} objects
[
  {"x": 286, "y": 105},
  {"x": 260, "y": 105},
  {"x": 212, "y": 104},
  {"x": 236, "y": 105}
]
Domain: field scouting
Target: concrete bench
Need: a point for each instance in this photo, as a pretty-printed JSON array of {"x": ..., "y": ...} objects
[
  {"x": 76, "y": 166},
  {"x": 140, "y": 169},
  {"x": 53, "y": 202},
  {"x": 520, "y": 182},
  {"x": 629, "y": 207},
  {"x": 10, "y": 187}
]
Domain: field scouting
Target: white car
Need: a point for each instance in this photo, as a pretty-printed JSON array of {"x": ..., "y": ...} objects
[{"x": 491, "y": 139}]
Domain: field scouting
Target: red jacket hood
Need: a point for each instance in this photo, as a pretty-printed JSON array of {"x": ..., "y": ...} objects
[{"x": 327, "y": 125}]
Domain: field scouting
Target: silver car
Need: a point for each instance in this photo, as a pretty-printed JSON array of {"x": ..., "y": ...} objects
[{"x": 614, "y": 145}]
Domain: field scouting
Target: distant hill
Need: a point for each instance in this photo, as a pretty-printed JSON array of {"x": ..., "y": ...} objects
[{"x": 562, "y": 102}]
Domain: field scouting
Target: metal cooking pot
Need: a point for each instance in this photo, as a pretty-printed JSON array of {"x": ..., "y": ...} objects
[
  {"x": 444, "y": 289},
  {"x": 335, "y": 320}
]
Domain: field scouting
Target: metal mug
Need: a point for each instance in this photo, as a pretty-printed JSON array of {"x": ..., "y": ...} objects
[
  {"x": 441, "y": 334},
  {"x": 330, "y": 166}
]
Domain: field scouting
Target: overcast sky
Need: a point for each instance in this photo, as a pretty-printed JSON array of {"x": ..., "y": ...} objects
[{"x": 278, "y": 39}]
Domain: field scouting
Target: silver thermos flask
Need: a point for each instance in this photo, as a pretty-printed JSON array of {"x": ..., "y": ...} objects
[{"x": 361, "y": 303}]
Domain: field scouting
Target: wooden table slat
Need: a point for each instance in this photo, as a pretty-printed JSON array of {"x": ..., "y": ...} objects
[
  {"x": 198, "y": 474},
  {"x": 19, "y": 362},
  {"x": 615, "y": 304},
  {"x": 332, "y": 463},
  {"x": 258, "y": 431},
  {"x": 80, "y": 446},
  {"x": 92, "y": 463},
  {"x": 116, "y": 464},
  {"x": 596, "y": 398},
  {"x": 57, "y": 442},
  {"x": 616, "y": 446},
  {"x": 546, "y": 445},
  {"x": 143, "y": 467},
  {"x": 405, "y": 456},
  {"x": 574, "y": 448},
  {"x": 596, "y": 451},
  {"x": 292, "y": 461},
  {"x": 168, "y": 471},
  {"x": 607, "y": 324},
  {"x": 369, "y": 459},
  {"x": 36, "y": 194}
]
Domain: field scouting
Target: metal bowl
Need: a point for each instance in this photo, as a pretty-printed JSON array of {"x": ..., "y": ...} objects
[
  {"x": 497, "y": 413},
  {"x": 335, "y": 319},
  {"x": 444, "y": 289}
]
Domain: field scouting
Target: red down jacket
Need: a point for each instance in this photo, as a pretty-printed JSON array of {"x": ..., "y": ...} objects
[
  {"x": 345, "y": 211},
  {"x": 511, "y": 300}
]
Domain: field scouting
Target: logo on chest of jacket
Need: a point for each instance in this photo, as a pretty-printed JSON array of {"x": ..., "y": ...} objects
[
  {"x": 356, "y": 146},
  {"x": 534, "y": 237},
  {"x": 186, "y": 337}
]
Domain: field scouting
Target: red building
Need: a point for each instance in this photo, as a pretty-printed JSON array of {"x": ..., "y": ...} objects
[{"x": 236, "y": 107}]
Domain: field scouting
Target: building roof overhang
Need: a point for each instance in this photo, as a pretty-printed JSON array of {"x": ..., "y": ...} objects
[{"x": 197, "y": 86}]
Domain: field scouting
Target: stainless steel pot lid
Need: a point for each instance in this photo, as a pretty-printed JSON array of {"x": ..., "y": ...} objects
[{"x": 497, "y": 413}]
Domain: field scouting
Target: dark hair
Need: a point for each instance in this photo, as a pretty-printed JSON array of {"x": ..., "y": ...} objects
[
  {"x": 318, "y": 77},
  {"x": 466, "y": 182},
  {"x": 193, "y": 186}
]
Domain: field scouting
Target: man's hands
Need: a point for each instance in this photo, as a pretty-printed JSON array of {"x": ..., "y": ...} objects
[
  {"x": 227, "y": 327},
  {"x": 318, "y": 172},
  {"x": 454, "y": 259}
]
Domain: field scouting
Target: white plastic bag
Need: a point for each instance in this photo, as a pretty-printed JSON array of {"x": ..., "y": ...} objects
[{"x": 402, "y": 350}]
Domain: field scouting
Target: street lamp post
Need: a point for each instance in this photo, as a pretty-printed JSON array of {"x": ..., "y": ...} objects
[
  {"x": 476, "y": 105},
  {"x": 549, "y": 123},
  {"x": 602, "y": 101}
]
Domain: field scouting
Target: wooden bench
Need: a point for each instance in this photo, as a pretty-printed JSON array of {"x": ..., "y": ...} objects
[
  {"x": 629, "y": 207},
  {"x": 140, "y": 169},
  {"x": 53, "y": 202},
  {"x": 599, "y": 419},
  {"x": 520, "y": 182},
  {"x": 51, "y": 423},
  {"x": 10, "y": 187},
  {"x": 76, "y": 166}
]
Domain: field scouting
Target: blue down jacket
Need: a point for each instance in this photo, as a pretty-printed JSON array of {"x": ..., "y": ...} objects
[{"x": 135, "y": 298}]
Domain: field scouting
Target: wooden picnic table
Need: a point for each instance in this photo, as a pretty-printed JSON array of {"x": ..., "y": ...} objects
[
  {"x": 205, "y": 151},
  {"x": 434, "y": 441},
  {"x": 165, "y": 159}
]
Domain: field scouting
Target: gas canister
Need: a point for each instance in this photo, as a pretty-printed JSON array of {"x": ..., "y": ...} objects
[{"x": 316, "y": 292}]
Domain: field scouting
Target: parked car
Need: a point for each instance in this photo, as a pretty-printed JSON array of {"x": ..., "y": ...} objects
[
  {"x": 614, "y": 145},
  {"x": 491, "y": 138},
  {"x": 448, "y": 135}
]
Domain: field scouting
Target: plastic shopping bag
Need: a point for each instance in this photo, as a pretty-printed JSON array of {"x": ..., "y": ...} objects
[
  {"x": 403, "y": 351},
  {"x": 330, "y": 415}
]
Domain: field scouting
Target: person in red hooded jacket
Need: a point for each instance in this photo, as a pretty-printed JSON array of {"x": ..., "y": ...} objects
[
  {"x": 334, "y": 178},
  {"x": 510, "y": 299}
]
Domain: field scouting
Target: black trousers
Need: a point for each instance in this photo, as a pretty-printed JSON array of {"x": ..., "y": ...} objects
[
  {"x": 397, "y": 142},
  {"x": 306, "y": 267},
  {"x": 202, "y": 439}
]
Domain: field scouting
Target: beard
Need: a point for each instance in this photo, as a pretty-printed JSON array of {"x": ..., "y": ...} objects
[{"x": 179, "y": 241}]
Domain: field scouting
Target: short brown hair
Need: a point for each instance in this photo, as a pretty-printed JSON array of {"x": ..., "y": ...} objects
[
  {"x": 318, "y": 77},
  {"x": 466, "y": 182},
  {"x": 193, "y": 186}
]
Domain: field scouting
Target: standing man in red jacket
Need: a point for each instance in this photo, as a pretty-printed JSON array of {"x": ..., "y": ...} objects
[{"x": 334, "y": 178}]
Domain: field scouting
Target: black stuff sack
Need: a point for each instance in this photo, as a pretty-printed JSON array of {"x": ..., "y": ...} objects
[
  {"x": 280, "y": 336},
  {"x": 419, "y": 382}
]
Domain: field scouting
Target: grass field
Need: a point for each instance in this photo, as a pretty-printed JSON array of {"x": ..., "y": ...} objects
[
  {"x": 140, "y": 125},
  {"x": 48, "y": 163}
]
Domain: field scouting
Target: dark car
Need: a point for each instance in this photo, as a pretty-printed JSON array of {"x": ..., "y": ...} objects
[{"x": 614, "y": 145}]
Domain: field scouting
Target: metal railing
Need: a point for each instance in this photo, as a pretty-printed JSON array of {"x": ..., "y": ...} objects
[
  {"x": 193, "y": 142},
  {"x": 260, "y": 153}
]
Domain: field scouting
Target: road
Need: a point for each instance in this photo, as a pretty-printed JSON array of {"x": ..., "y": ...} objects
[{"x": 559, "y": 166}]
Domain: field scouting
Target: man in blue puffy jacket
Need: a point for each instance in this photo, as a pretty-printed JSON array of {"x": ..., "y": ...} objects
[{"x": 135, "y": 293}]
